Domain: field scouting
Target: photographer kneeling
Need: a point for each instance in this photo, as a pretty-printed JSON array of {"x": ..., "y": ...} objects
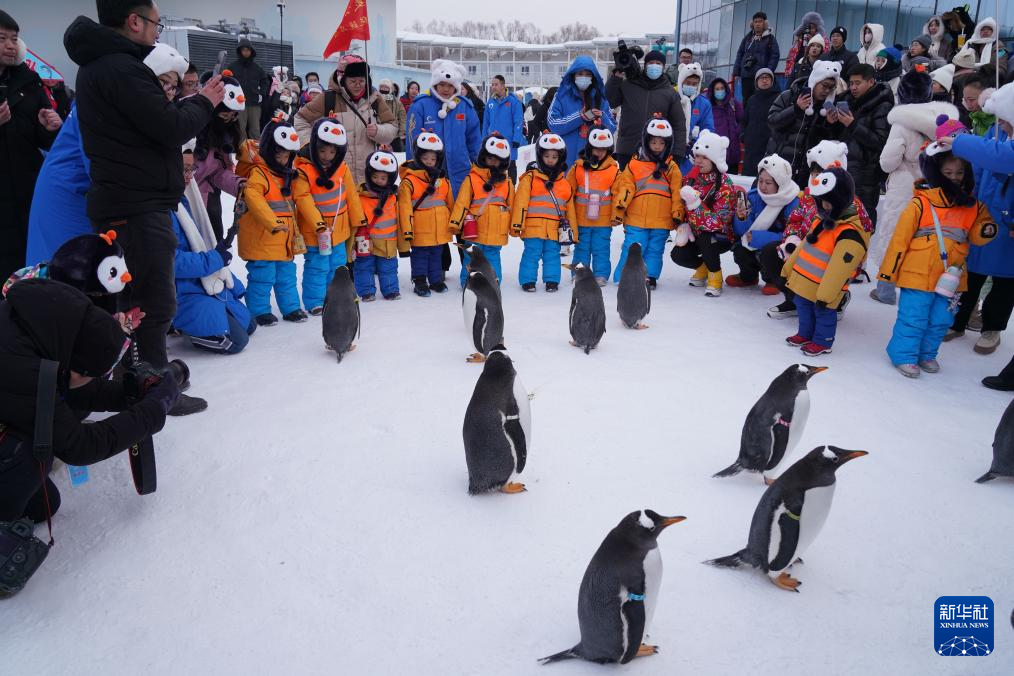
[{"x": 41, "y": 320}]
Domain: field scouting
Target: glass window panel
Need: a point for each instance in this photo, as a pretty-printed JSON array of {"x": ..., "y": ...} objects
[
  {"x": 852, "y": 15},
  {"x": 785, "y": 26},
  {"x": 884, "y": 12},
  {"x": 730, "y": 32},
  {"x": 828, "y": 9},
  {"x": 1006, "y": 21},
  {"x": 912, "y": 15}
]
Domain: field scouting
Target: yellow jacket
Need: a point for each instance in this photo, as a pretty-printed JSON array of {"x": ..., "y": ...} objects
[
  {"x": 601, "y": 181},
  {"x": 493, "y": 216},
  {"x": 267, "y": 229},
  {"x": 337, "y": 208},
  {"x": 645, "y": 202},
  {"x": 430, "y": 224},
  {"x": 913, "y": 259},
  {"x": 820, "y": 272},
  {"x": 535, "y": 214},
  {"x": 386, "y": 238}
]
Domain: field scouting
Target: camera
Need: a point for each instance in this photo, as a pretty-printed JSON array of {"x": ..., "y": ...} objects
[
  {"x": 628, "y": 58},
  {"x": 21, "y": 554},
  {"x": 749, "y": 61}
]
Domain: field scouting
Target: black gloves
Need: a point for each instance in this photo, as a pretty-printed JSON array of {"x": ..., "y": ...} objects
[
  {"x": 164, "y": 394},
  {"x": 223, "y": 250}
]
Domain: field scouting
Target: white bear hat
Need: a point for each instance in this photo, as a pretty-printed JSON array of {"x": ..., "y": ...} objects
[
  {"x": 826, "y": 153},
  {"x": 714, "y": 147}
]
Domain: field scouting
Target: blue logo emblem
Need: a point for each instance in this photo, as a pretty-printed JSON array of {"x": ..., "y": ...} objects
[{"x": 963, "y": 626}]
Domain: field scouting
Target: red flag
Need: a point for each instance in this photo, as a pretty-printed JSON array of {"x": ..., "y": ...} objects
[{"x": 355, "y": 25}]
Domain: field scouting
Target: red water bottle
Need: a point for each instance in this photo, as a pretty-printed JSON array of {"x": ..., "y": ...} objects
[
  {"x": 469, "y": 228},
  {"x": 363, "y": 242}
]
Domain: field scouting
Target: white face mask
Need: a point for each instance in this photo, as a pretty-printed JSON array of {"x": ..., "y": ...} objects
[
  {"x": 582, "y": 82},
  {"x": 653, "y": 71}
]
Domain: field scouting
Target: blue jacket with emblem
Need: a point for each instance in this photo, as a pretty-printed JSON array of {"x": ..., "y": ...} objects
[
  {"x": 197, "y": 313},
  {"x": 701, "y": 118},
  {"x": 460, "y": 132},
  {"x": 992, "y": 159},
  {"x": 564, "y": 117},
  {"x": 58, "y": 207},
  {"x": 505, "y": 116}
]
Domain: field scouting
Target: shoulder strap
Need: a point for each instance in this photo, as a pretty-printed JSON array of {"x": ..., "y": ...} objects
[
  {"x": 45, "y": 408},
  {"x": 330, "y": 102},
  {"x": 940, "y": 233}
]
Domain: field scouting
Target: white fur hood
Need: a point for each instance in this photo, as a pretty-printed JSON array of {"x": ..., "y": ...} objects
[{"x": 921, "y": 117}]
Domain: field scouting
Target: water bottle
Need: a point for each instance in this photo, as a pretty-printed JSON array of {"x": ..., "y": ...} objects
[
  {"x": 324, "y": 242},
  {"x": 947, "y": 285},
  {"x": 362, "y": 243},
  {"x": 593, "y": 206},
  {"x": 565, "y": 233},
  {"x": 469, "y": 228}
]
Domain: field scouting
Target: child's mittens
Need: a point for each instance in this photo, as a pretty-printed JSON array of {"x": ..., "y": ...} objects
[
  {"x": 515, "y": 231},
  {"x": 684, "y": 235},
  {"x": 280, "y": 226},
  {"x": 695, "y": 132},
  {"x": 690, "y": 197},
  {"x": 786, "y": 248}
]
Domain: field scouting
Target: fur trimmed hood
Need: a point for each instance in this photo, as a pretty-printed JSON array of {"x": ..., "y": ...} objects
[{"x": 921, "y": 117}]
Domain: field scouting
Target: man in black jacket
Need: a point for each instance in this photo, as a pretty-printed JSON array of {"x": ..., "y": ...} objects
[
  {"x": 758, "y": 49},
  {"x": 797, "y": 125},
  {"x": 839, "y": 52},
  {"x": 866, "y": 131},
  {"x": 132, "y": 136},
  {"x": 44, "y": 319},
  {"x": 27, "y": 123},
  {"x": 253, "y": 80},
  {"x": 639, "y": 96}
]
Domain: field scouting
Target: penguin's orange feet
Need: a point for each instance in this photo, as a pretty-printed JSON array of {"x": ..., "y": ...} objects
[
  {"x": 512, "y": 487},
  {"x": 647, "y": 650},
  {"x": 787, "y": 582},
  {"x": 640, "y": 327},
  {"x": 573, "y": 343},
  {"x": 475, "y": 358},
  {"x": 768, "y": 481},
  {"x": 352, "y": 348}
]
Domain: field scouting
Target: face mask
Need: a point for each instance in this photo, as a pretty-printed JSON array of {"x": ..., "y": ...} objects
[
  {"x": 654, "y": 71},
  {"x": 689, "y": 91},
  {"x": 720, "y": 95},
  {"x": 582, "y": 82}
]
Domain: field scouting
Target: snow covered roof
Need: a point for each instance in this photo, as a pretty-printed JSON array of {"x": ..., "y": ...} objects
[{"x": 475, "y": 43}]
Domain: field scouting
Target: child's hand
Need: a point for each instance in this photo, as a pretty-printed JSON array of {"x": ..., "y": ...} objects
[
  {"x": 280, "y": 226},
  {"x": 684, "y": 235},
  {"x": 320, "y": 227},
  {"x": 515, "y": 231},
  {"x": 691, "y": 197}
]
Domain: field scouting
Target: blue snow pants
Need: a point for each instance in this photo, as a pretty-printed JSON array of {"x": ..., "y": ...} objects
[
  {"x": 817, "y": 324},
  {"x": 652, "y": 241},
  {"x": 923, "y": 319},
  {"x": 545, "y": 250},
  {"x": 318, "y": 271},
  {"x": 232, "y": 342},
  {"x": 427, "y": 262},
  {"x": 593, "y": 249},
  {"x": 492, "y": 252},
  {"x": 261, "y": 277},
  {"x": 369, "y": 266}
]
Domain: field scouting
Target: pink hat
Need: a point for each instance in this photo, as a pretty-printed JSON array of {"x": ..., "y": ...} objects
[{"x": 947, "y": 126}]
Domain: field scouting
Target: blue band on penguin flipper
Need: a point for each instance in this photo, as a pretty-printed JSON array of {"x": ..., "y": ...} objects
[{"x": 635, "y": 597}]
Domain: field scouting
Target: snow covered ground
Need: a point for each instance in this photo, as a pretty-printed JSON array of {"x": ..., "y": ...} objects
[{"x": 315, "y": 519}]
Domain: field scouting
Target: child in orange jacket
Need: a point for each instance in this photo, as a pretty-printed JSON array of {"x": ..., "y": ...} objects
[
  {"x": 380, "y": 241},
  {"x": 593, "y": 178},
  {"x": 327, "y": 218},
  {"x": 267, "y": 231},
  {"x": 648, "y": 198},
  {"x": 424, "y": 207},
  {"x": 943, "y": 205},
  {"x": 543, "y": 213}
]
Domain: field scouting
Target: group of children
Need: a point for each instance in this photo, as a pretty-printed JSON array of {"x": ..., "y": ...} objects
[{"x": 808, "y": 245}]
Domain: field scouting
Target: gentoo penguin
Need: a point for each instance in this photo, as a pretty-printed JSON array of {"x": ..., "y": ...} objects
[
  {"x": 1003, "y": 448},
  {"x": 790, "y": 514},
  {"x": 498, "y": 427},
  {"x": 340, "y": 321},
  {"x": 633, "y": 297},
  {"x": 480, "y": 304},
  {"x": 587, "y": 309},
  {"x": 775, "y": 423},
  {"x": 619, "y": 591},
  {"x": 477, "y": 262}
]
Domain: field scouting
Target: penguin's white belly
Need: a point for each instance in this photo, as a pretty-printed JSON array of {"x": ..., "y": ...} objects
[
  {"x": 524, "y": 410},
  {"x": 816, "y": 506},
  {"x": 468, "y": 303},
  {"x": 652, "y": 585},
  {"x": 800, "y": 412}
]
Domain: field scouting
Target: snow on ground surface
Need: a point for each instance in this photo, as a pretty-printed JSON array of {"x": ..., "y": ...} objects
[{"x": 315, "y": 519}]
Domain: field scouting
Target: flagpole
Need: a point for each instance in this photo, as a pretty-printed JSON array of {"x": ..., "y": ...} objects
[{"x": 281, "y": 33}]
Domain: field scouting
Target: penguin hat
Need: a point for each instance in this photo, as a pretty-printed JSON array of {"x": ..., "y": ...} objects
[
  {"x": 598, "y": 137},
  {"x": 328, "y": 133},
  {"x": 824, "y": 70},
  {"x": 619, "y": 592},
  {"x": 386, "y": 163},
  {"x": 495, "y": 155},
  {"x": 429, "y": 142},
  {"x": 234, "y": 99},
  {"x": 657, "y": 127},
  {"x": 1003, "y": 450},
  {"x": 775, "y": 423},
  {"x": 790, "y": 515},
  {"x": 833, "y": 191},
  {"x": 497, "y": 430},
  {"x": 279, "y": 136},
  {"x": 713, "y": 147},
  {"x": 549, "y": 141},
  {"x": 94, "y": 265}
]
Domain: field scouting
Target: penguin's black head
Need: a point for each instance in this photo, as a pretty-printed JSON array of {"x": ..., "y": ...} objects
[
  {"x": 832, "y": 457},
  {"x": 800, "y": 374},
  {"x": 580, "y": 270},
  {"x": 498, "y": 361},
  {"x": 644, "y": 526}
]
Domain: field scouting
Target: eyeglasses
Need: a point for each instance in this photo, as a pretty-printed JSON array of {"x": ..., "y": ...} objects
[
  {"x": 159, "y": 27},
  {"x": 189, "y": 171}
]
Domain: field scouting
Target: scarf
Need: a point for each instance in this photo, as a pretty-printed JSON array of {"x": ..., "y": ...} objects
[
  {"x": 773, "y": 206},
  {"x": 201, "y": 238}
]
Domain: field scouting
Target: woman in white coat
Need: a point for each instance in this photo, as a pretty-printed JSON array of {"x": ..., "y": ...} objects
[
  {"x": 872, "y": 41},
  {"x": 913, "y": 123}
]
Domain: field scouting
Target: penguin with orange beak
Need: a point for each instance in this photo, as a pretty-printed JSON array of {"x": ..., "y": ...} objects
[
  {"x": 790, "y": 515},
  {"x": 619, "y": 592}
]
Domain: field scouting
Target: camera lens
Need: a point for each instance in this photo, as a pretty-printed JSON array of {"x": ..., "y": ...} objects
[{"x": 179, "y": 371}]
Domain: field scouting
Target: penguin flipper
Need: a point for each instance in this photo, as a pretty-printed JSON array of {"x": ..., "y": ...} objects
[
  {"x": 568, "y": 654},
  {"x": 988, "y": 476},
  {"x": 732, "y": 470},
  {"x": 779, "y": 444},
  {"x": 788, "y": 530},
  {"x": 633, "y": 612},
  {"x": 516, "y": 434}
]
